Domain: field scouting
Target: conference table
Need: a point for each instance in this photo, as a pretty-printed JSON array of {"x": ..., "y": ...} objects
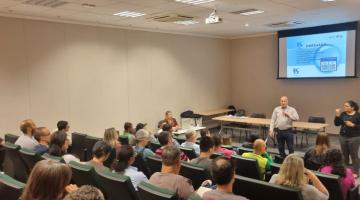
[{"x": 262, "y": 122}]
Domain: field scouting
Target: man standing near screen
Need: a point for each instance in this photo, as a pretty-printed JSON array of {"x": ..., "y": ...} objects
[{"x": 281, "y": 122}]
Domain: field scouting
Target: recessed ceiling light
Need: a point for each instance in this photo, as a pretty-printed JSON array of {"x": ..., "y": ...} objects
[
  {"x": 194, "y": 2},
  {"x": 129, "y": 14},
  {"x": 327, "y": 0},
  {"x": 246, "y": 25},
  {"x": 187, "y": 22},
  {"x": 252, "y": 12}
]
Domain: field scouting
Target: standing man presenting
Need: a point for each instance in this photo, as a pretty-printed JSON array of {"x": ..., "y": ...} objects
[{"x": 281, "y": 122}]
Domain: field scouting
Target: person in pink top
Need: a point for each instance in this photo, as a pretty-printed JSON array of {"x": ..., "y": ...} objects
[
  {"x": 334, "y": 164},
  {"x": 217, "y": 142}
]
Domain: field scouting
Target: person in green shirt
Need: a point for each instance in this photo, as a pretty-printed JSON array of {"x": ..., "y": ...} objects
[
  {"x": 263, "y": 158},
  {"x": 129, "y": 133}
]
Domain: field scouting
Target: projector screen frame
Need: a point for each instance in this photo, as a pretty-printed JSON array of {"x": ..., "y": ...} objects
[{"x": 348, "y": 26}]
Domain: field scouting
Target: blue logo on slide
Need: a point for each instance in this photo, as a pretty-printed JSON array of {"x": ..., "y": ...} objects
[
  {"x": 327, "y": 58},
  {"x": 295, "y": 70}
]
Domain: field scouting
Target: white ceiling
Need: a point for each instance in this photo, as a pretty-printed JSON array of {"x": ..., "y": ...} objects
[{"x": 310, "y": 12}]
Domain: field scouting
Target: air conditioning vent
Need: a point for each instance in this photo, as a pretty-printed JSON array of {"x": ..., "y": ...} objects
[
  {"x": 172, "y": 18},
  {"x": 46, "y": 3},
  {"x": 285, "y": 24}
]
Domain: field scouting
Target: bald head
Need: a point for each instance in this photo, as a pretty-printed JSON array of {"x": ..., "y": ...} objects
[
  {"x": 259, "y": 146},
  {"x": 284, "y": 101}
]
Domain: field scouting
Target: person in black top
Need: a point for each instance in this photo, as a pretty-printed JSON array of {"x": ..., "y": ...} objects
[{"x": 349, "y": 120}]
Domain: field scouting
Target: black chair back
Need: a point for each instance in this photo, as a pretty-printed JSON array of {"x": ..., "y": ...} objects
[
  {"x": 154, "y": 146},
  {"x": 258, "y": 115},
  {"x": 275, "y": 168},
  {"x": 13, "y": 165},
  {"x": 11, "y": 138},
  {"x": 320, "y": 120},
  {"x": 78, "y": 145},
  {"x": 116, "y": 186},
  {"x": 241, "y": 150},
  {"x": 256, "y": 189},
  {"x": 140, "y": 164},
  {"x": 147, "y": 191},
  {"x": 10, "y": 189},
  {"x": 30, "y": 158},
  {"x": 190, "y": 153},
  {"x": 332, "y": 183},
  {"x": 247, "y": 167},
  {"x": 124, "y": 140},
  {"x": 83, "y": 174},
  {"x": 89, "y": 143},
  {"x": 179, "y": 139},
  {"x": 215, "y": 155},
  {"x": 154, "y": 163},
  {"x": 354, "y": 193},
  {"x": 109, "y": 161},
  {"x": 197, "y": 174}
]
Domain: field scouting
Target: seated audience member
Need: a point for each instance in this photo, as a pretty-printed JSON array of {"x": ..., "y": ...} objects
[
  {"x": 111, "y": 138},
  {"x": 206, "y": 149},
  {"x": 314, "y": 157},
  {"x": 64, "y": 126},
  {"x": 293, "y": 174},
  {"x": 250, "y": 141},
  {"x": 205, "y": 132},
  {"x": 26, "y": 140},
  {"x": 59, "y": 146},
  {"x": 42, "y": 135},
  {"x": 169, "y": 176},
  {"x": 86, "y": 192},
  {"x": 129, "y": 132},
  {"x": 125, "y": 158},
  {"x": 101, "y": 152},
  {"x": 168, "y": 128},
  {"x": 49, "y": 180},
  {"x": 223, "y": 173},
  {"x": 142, "y": 139},
  {"x": 263, "y": 158},
  {"x": 140, "y": 126},
  {"x": 217, "y": 142},
  {"x": 334, "y": 164},
  {"x": 165, "y": 140},
  {"x": 190, "y": 141},
  {"x": 169, "y": 120}
]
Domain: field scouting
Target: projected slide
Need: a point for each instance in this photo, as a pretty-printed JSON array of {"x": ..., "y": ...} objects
[{"x": 317, "y": 55}]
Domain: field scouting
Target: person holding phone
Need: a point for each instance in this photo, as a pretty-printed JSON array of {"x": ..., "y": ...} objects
[{"x": 349, "y": 138}]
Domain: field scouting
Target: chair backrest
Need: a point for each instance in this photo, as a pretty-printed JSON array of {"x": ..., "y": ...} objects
[
  {"x": 82, "y": 174},
  {"x": 241, "y": 150},
  {"x": 258, "y": 115},
  {"x": 10, "y": 188},
  {"x": 147, "y": 191},
  {"x": 197, "y": 174},
  {"x": 247, "y": 167},
  {"x": 180, "y": 139},
  {"x": 11, "y": 138},
  {"x": 232, "y": 107},
  {"x": 124, "y": 140},
  {"x": 140, "y": 164},
  {"x": 189, "y": 152},
  {"x": 116, "y": 186},
  {"x": 354, "y": 193},
  {"x": 154, "y": 163},
  {"x": 78, "y": 145},
  {"x": 256, "y": 189},
  {"x": 154, "y": 146},
  {"x": 109, "y": 161},
  {"x": 215, "y": 155},
  {"x": 275, "y": 168},
  {"x": 47, "y": 156},
  {"x": 332, "y": 183},
  {"x": 89, "y": 143},
  {"x": 30, "y": 158},
  {"x": 314, "y": 119},
  {"x": 13, "y": 165}
]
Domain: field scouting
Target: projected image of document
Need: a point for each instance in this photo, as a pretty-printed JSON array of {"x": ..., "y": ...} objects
[{"x": 317, "y": 55}]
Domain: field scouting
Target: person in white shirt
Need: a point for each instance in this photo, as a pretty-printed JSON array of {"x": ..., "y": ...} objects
[
  {"x": 125, "y": 159},
  {"x": 281, "y": 122},
  {"x": 26, "y": 140},
  {"x": 191, "y": 141}
]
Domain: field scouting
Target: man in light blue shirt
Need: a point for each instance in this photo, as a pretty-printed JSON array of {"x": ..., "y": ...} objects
[
  {"x": 190, "y": 141},
  {"x": 281, "y": 122}
]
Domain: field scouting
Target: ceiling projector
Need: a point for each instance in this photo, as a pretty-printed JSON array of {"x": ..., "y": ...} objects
[{"x": 213, "y": 18}]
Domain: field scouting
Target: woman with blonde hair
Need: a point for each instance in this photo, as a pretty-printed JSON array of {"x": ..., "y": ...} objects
[
  {"x": 293, "y": 174},
  {"x": 111, "y": 136},
  {"x": 314, "y": 157}
]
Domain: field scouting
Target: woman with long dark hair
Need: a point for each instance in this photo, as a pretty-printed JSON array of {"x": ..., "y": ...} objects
[
  {"x": 122, "y": 165},
  {"x": 334, "y": 164},
  {"x": 314, "y": 157},
  {"x": 349, "y": 120},
  {"x": 59, "y": 146}
]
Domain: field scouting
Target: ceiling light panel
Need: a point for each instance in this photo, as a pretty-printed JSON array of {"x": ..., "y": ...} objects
[
  {"x": 129, "y": 14},
  {"x": 194, "y": 2}
]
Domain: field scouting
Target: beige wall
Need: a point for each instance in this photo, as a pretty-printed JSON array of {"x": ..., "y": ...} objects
[
  {"x": 101, "y": 77},
  {"x": 256, "y": 89}
]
